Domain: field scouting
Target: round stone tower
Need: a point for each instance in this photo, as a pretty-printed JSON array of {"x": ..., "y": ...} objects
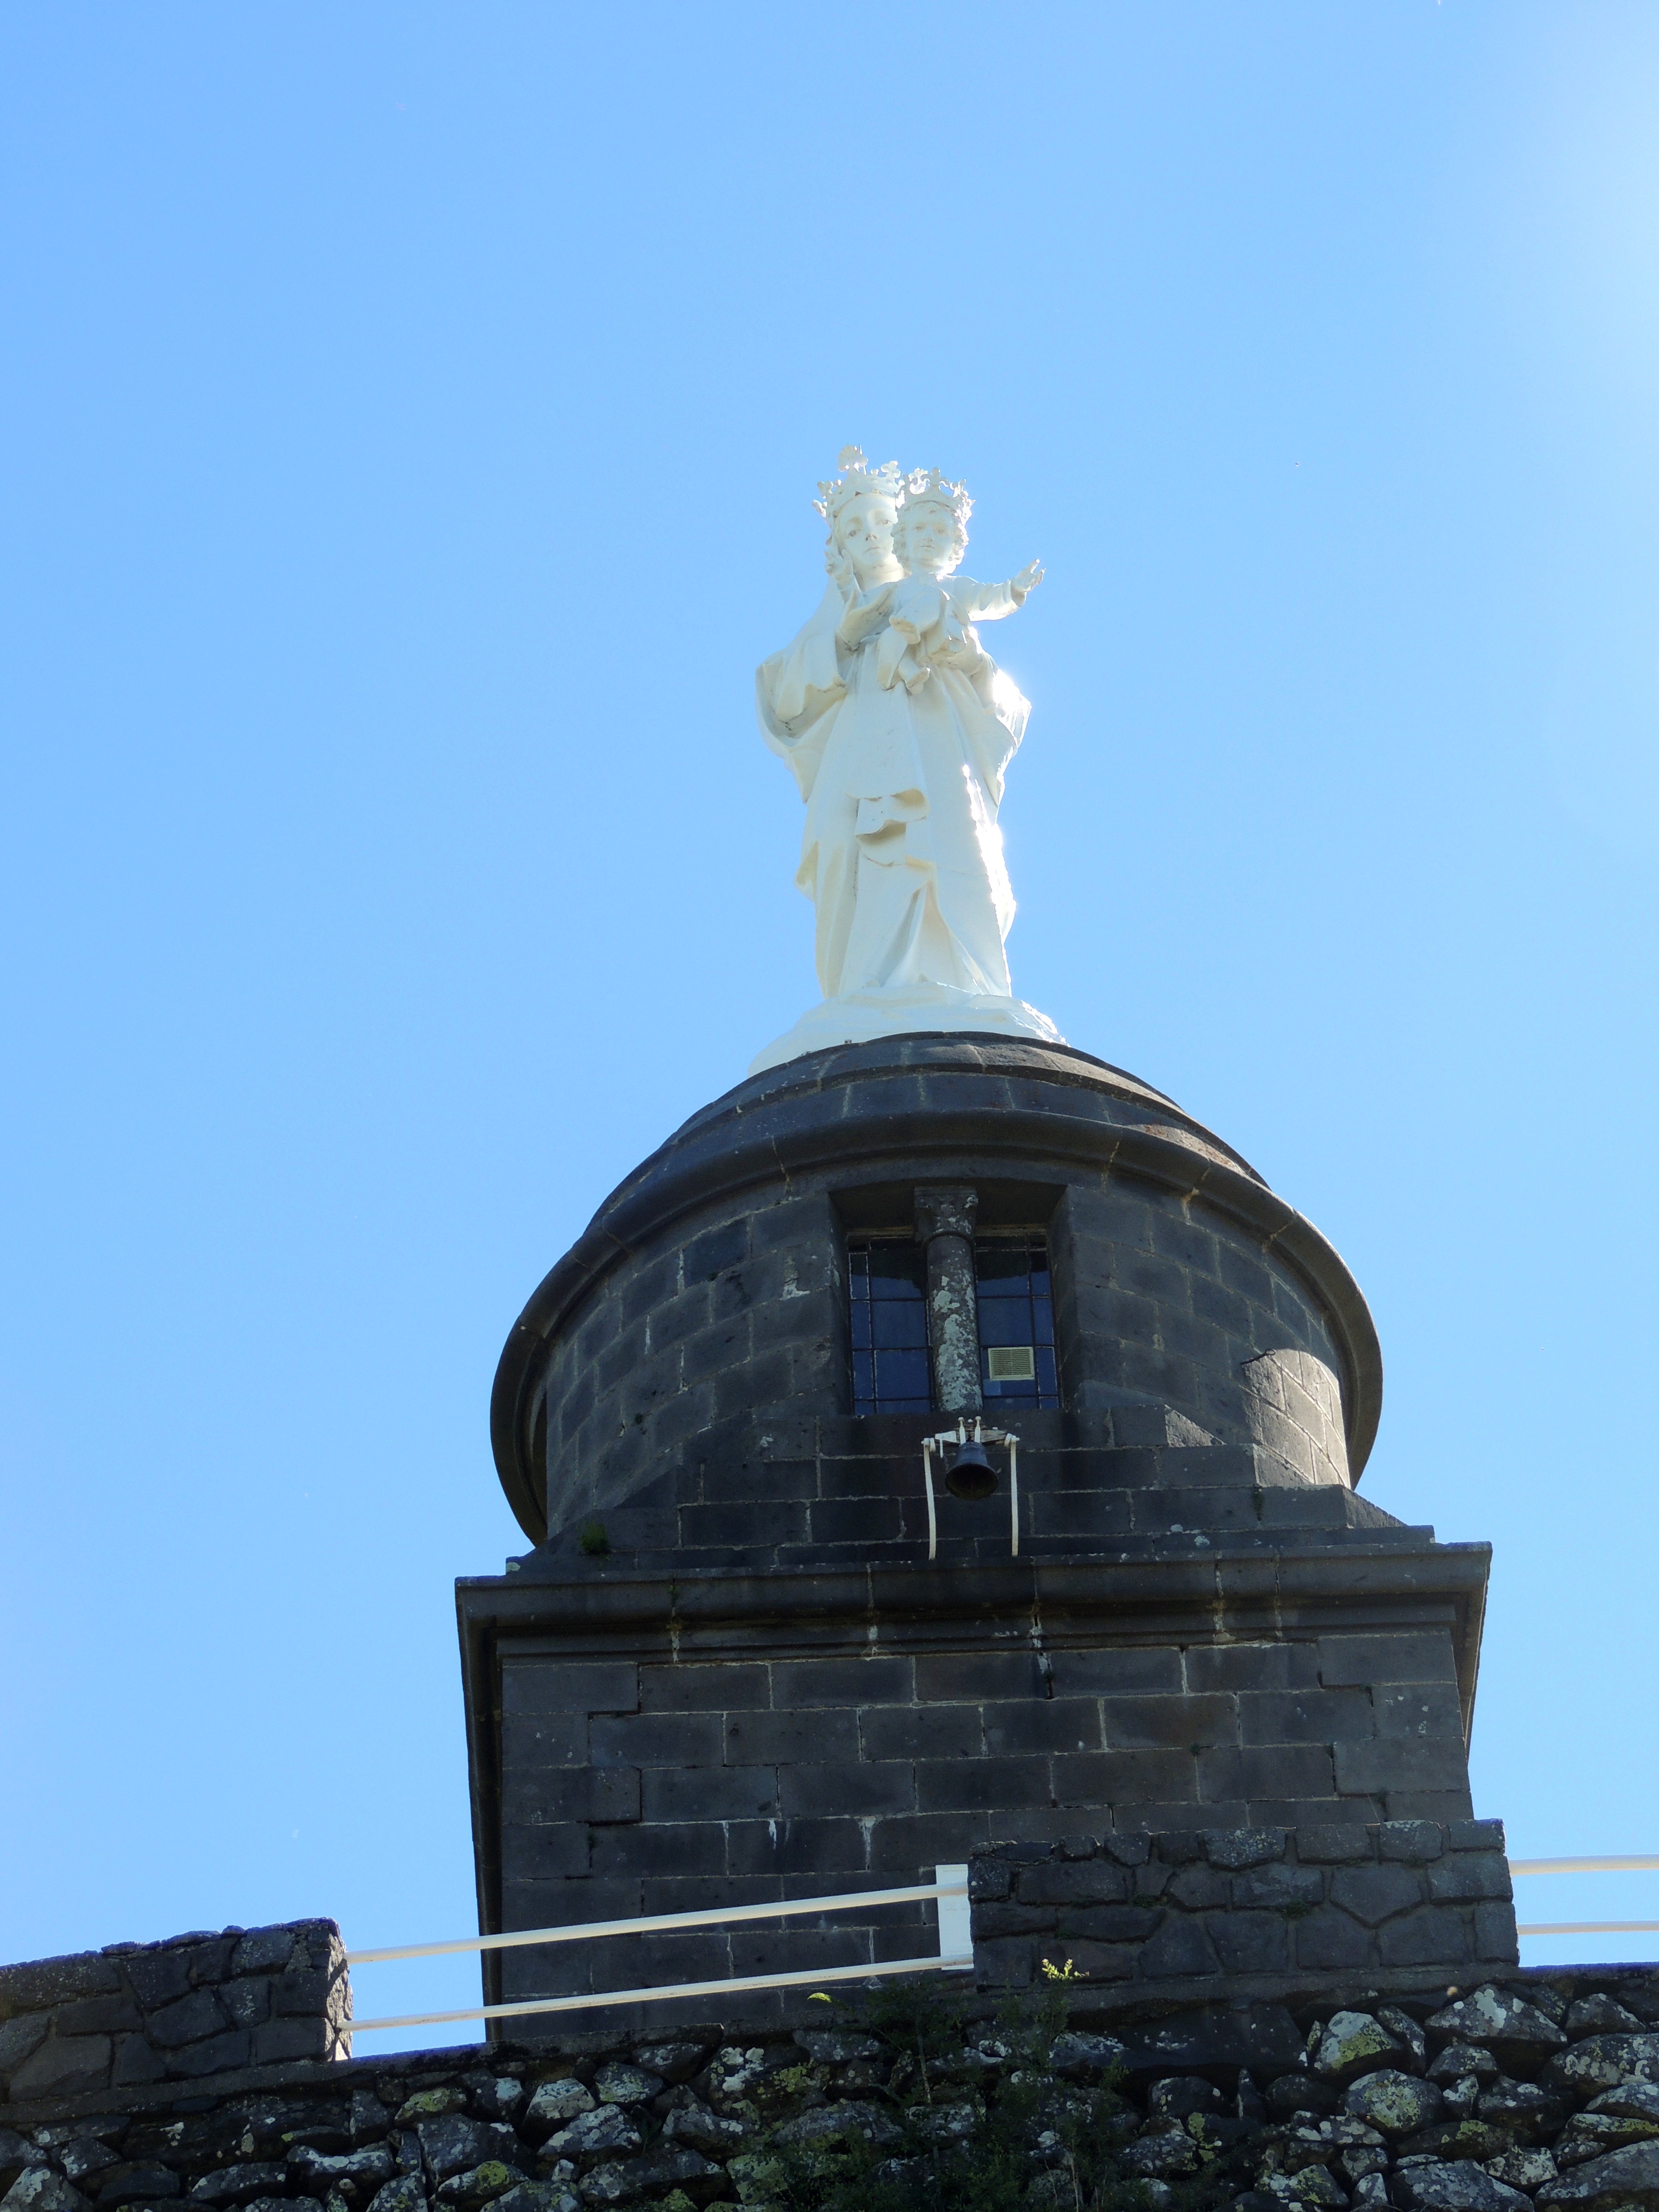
[{"x": 760, "y": 1647}]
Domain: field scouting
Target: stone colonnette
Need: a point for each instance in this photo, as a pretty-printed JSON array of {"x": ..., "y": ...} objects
[{"x": 728, "y": 1670}]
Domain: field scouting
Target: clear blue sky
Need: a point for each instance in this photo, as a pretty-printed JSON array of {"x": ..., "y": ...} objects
[{"x": 411, "y": 415}]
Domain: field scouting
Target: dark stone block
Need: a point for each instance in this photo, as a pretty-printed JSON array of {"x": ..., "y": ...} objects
[
  {"x": 39, "y": 1984},
  {"x": 993, "y": 1921},
  {"x": 973, "y": 1677},
  {"x": 757, "y": 1739},
  {"x": 1375, "y": 1894},
  {"x": 727, "y": 1246},
  {"x": 1389, "y": 1764},
  {"x": 1180, "y": 1846},
  {"x": 247, "y": 2001},
  {"x": 216, "y": 2055},
  {"x": 186, "y": 2020},
  {"x": 1253, "y": 1667},
  {"x": 1096, "y": 1962},
  {"x": 718, "y": 1792},
  {"x": 1495, "y": 1939},
  {"x": 1416, "y": 1842},
  {"x": 300, "y": 1990},
  {"x": 921, "y": 1732},
  {"x": 136, "y": 2181},
  {"x": 1292, "y": 1770},
  {"x": 792, "y": 1847},
  {"x": 1271, "y": 1888},
  {"x": 613, "y": 1797},
  {"x": 1178, "y": 1947},
  {"x": 1140, "y": 1723},
  {"x": 1466, "y": 1877},
  {"x": 1249, "y": 1942},
  {"x": 98, "y": 2015},
  {"x": 1361, "y": 1662},
  {"x": 1131, "y": 1671},
  {"x": 1262, "y": 2038},
  {"x": 956, "y": 1785},
  {"x": 554, "y": 1685},
  {"x": 21, "y": 2037},
  {"x": 1127, "y": 1850},
  {"x": 1005, "y": 1962},
  {"x": 158, "y": 1977},
  {"x": 1418, "y": 1708},
  {"x": 1433, "y": 1935},
  {"x": 542, "y": 1740},
  {"x": 1321, "y": 1717},
  {"x": 556, "y": 1904},
  {"x": 856, "y": 1788},
  {"x": 1328, "y": 1940},
  {"x": 1330, "y": 1841},
  {"x": 741, "y": 1687},
  {"x": 1475, "y": 1836},
  {"x": 136, "y": 2063},
  {"x": 1107, "y": 1923},
  {"x": 904, "y": 1842},
  {"x": 62, "y": 2066},
  {"x": 1070, "y": 1882},
  {"x": 1059, "y": 1724},
  {"x": 1197, "y": 1888},
  {"x": 1235, "y": 1849},
  {"x": 543, "y": 1853},
  {"x": 874, "y": 1681},
  {"x": 678, "y": 1740}
]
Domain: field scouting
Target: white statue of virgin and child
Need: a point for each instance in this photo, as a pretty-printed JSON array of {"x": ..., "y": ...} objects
[{"x": 899, "y": 728}]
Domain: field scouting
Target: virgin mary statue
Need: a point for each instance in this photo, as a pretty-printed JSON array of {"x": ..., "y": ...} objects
[{"x": 899, "y": 729}]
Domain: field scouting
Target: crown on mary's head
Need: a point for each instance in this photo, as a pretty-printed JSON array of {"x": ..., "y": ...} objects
[
  {"x": 927, "y": 488},
  {"x": 857, "y": 478}
]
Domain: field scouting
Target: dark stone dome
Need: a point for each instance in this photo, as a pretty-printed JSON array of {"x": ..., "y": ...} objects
[{"x": 690, "y": 1354}]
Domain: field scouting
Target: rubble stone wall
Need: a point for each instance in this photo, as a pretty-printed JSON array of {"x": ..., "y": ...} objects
[
  {"x": 1536, "y": 2093},
  {"x": 1267, "y": 1907},
  {"x": 109, "y": 2020}
]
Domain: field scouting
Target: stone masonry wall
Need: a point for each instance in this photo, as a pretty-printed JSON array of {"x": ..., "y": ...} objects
[
  {"x": 107, "y": 2021},
  {"x": 1533, "y": 2094},
  {"x": 710, "y": 1289},
  {"x": 1266, "y": 1907},
  {"x": 744, "y": 1317},
  {"x": 635, "y": 1788}
]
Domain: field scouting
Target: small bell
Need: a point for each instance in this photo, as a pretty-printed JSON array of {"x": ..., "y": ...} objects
[{"x": 970, "y": 1475}]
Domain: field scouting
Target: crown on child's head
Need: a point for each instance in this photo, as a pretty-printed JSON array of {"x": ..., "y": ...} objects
[
  {"x": 856, "y": 480},
  {"x": 927, "y": 488}
]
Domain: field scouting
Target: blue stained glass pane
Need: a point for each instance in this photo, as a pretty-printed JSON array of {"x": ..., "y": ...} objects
[
  {"x": 895, "y": 1271},
  {"x": 902, "y": 1376},
  {"x": 899, "y": 1326},
  {"x": 864, "y": 1382},
  {"x": 1043, "y": 1320},
  {"x": 1004, "y": 1321},
  {"x": 1002, "y": 1270},
  {"x": 1008, "y": 1390},
  {"x": 1047, "y": 1381},
  {"x": 860, "y": 1326}
]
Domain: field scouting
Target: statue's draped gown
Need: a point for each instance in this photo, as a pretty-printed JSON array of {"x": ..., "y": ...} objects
[{"x": 901, "y": 855}]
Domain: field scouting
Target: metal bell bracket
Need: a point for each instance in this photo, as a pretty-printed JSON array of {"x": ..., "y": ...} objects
[{"x": 958, "y": 1436}]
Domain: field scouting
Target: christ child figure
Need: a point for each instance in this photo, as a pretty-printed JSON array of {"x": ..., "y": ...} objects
[{"x": 930, "y": 612}]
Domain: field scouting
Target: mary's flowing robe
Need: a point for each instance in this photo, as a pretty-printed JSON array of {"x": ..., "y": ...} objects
[{"x": 901, "y": 855}]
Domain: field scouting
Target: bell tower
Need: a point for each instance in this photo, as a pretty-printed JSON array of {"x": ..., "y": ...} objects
[{"x": 727, "y": 1670}]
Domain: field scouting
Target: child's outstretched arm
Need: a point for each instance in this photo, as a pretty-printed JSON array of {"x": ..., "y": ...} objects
[{"x": 991, "y": 602}]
